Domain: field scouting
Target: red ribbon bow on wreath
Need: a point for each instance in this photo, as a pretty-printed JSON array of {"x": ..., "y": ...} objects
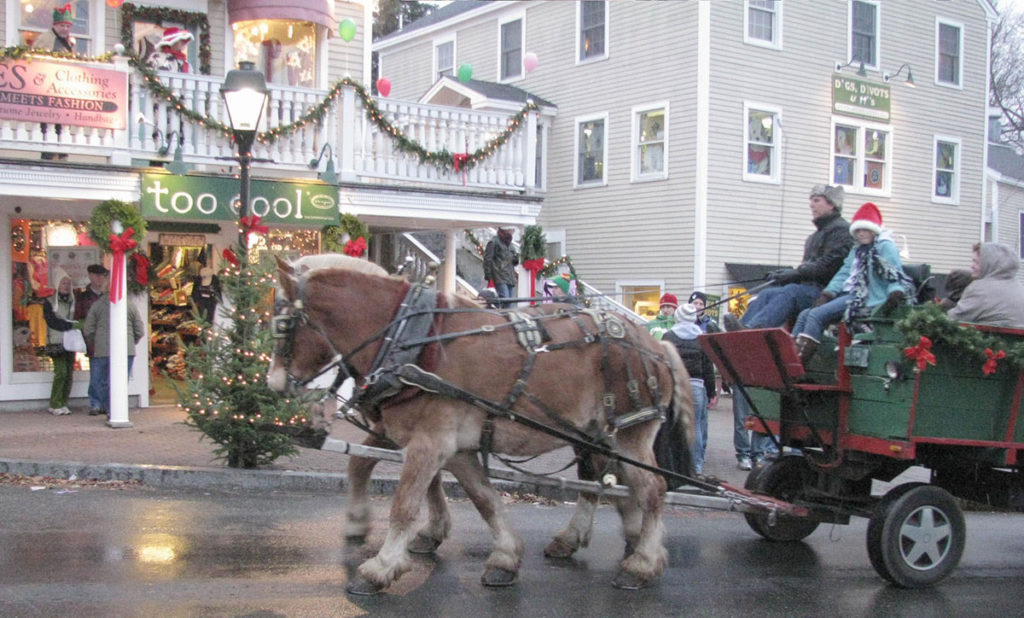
[
  {"x": 251, "y": 225},
  {"x": 356, "y": 247},
  {"x": 118, "y": 245},
  {"x": 460, "y": 159},
  {"x": 141, "y": 268},
  {"x": 921, "y": 353},
  {"x": 534, "y": 267},
  {"x": 993, "y": 360},
  {"x": 229, "y": 255}
]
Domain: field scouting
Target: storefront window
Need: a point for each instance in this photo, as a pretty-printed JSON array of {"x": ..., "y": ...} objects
[
  {"x": 37, "y": 17},
  {"x": 284, "y": 50},
  {"x": 642, "y": 299},
  {"x": 286, "y": 244},
  {"x": 41, "y": 252}
]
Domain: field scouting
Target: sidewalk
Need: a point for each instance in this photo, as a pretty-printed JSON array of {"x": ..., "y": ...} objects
[{"x": 160, "y": 450}]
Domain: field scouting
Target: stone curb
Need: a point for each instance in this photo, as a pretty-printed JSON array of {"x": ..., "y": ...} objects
[{"x": 229, "y": 479}]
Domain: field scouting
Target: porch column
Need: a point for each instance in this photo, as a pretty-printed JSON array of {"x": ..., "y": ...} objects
[{"x": 448, "y": 280}]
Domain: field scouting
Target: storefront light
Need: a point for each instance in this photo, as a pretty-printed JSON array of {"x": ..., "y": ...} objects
[{"x": 61, "y": 235}]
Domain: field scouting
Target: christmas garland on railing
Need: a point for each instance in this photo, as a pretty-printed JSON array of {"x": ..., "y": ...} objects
[
  {"x": 442, "y": 159},
  {"x": 24, "y": 52},
  {"x": 929, "y": 324}
]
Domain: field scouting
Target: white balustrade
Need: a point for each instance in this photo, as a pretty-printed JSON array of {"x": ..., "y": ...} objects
[{"x": 365, "y": 152}]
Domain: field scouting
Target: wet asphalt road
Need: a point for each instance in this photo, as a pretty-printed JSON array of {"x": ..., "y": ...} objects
[{"x": 143, "y": 552}]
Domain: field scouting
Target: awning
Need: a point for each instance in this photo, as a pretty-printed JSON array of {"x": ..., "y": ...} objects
[
  {"x": 748, "y": 275},
  {"x": 316, "y": 11}
]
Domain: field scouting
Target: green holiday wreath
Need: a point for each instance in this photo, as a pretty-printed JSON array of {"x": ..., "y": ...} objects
[
  {"x": 351, "y": 228},
  {"x": 128, "y": 214}
]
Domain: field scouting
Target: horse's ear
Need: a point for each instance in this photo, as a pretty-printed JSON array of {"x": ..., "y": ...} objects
[
  {"x": 288, "y": 283},
  {"x": 286, "y": 268}
]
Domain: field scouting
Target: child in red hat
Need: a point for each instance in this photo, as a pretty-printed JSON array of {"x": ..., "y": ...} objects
[
  {"x": 871, "y": 276},
  {"x": 664, "y": 320}
]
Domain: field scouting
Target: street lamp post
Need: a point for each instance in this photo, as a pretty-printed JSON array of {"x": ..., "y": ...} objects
[{"x": 245, "y": 96}]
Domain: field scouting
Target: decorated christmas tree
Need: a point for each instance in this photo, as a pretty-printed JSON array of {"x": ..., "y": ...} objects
[{"x": 225, "y": 393}]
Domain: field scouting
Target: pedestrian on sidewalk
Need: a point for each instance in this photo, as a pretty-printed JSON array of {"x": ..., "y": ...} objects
[
  {"x": 683, "y": 335},
  {"x": 59, "y": 313},
  {"x": 500, "y": 261},
  {"x": 97, "y": 338},
  {"x": 99, "y": 282}
]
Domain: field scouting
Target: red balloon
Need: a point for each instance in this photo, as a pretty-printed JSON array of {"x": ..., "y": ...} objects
[{"x": 384, "y": 86}]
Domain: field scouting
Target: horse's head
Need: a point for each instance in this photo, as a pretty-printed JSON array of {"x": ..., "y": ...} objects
[{"x": 302, "y": 351}]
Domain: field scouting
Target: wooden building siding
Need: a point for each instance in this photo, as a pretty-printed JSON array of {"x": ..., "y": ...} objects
[
  {"x": 629, "y": 230},
  {"x": 1008, "y": 200},
  {"x": 756, "y": 222},
  {"x": 347, "y": 58}
]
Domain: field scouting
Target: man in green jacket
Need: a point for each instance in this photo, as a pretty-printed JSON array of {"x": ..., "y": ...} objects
[{"x": 664, "y": 320}]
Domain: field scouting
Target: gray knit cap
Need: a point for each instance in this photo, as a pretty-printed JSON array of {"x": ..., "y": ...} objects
[{"x": 834, "y": 195}]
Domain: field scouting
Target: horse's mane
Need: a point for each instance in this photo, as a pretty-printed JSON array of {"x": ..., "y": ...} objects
[{"x": 336, "y": 260}]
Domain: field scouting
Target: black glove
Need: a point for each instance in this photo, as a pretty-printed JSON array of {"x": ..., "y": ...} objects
[
  {"x": 895, "y": 299},
  {"x": 823, "y": 298},
  {"x": 784, "y": 276}
]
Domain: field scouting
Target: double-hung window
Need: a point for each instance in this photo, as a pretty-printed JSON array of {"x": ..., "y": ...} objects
[
  {"x": 512, "y": 49},
  {"x": 37, "y": 17},
  {"x": 861, "y": 156},
  {"x": 864, "y": 32},
  {"x": 948, "y": 46},
  {"x": 760, "y": 143},
  {"x": 444, "y": 59},
  {"x": 591, "y": 151},
  {"x": 763, "y": 23},
  {"x": 946, "y": 170},
  {"x": 650, "y": 141},
  {"x": 593, "y": 29}
]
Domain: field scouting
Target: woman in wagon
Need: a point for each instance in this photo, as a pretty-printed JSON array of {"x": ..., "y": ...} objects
[
  {"x": 871, "y": 276},
  {"x": 995, "y": 296}
]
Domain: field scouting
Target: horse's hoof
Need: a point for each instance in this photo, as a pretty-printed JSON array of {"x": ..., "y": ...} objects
[
  {"x": 628, "y": 581},
  {"x": 362, "y": 587},
  {"x": 423, "y": 544},
  {"x": 558, "y": 548},
  {"x": 498, "y": 578}
]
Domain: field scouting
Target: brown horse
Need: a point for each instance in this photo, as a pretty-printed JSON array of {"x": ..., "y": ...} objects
[{"x": 583, "y": 379}]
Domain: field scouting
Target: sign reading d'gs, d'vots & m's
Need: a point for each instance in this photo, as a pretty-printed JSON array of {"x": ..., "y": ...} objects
[{"x": 214, "y": 198}]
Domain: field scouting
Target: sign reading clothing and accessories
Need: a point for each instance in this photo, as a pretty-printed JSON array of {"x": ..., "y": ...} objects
[
  {"x": 856, "y": 97},
  {"x": 46, "y": 91},
  {"x": 215, "y": 198}
]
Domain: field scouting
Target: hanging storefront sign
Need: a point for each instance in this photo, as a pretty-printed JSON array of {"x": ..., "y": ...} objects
[
  {"x": 856, "y": 97},
  {"x": 51, "y": 91},
  {"x": 215, "y": 198}
]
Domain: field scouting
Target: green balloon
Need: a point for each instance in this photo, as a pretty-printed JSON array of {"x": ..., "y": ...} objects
[
  {"x": 347, "y": 30},
  {"x": 465, "y": 72}
]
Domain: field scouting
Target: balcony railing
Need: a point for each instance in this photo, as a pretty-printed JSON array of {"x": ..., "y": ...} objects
[{"x": 362, "y": 151}]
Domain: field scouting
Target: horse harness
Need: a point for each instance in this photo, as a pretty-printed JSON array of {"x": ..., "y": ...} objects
[{"x": 402, "y": 367}]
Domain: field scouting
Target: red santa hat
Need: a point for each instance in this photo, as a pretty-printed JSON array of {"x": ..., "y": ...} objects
[
  {"x": 173, "y": 35},
  {"x": 868, "y": 217}
]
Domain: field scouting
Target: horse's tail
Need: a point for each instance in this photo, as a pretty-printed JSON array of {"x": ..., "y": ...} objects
[{"x": 674, "y": 445}]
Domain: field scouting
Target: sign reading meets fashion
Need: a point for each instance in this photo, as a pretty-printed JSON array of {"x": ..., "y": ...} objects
[
  {"x": 53, "y": 91},
  {"x": 213, "y": 198}
]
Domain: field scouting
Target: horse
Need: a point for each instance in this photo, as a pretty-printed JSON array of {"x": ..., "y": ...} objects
[{"x": 578, "y": 372}]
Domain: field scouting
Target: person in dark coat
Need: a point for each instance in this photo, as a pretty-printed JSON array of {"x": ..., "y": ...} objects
[
  {"x": 796, "y": 289},
  {"x": 956, "y": 282},
  {"x": 683, "y": 335},
  {"x": 500, "y": 262}
]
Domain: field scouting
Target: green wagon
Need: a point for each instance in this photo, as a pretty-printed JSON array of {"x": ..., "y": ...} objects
[{"x": 864, "y": 409}]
